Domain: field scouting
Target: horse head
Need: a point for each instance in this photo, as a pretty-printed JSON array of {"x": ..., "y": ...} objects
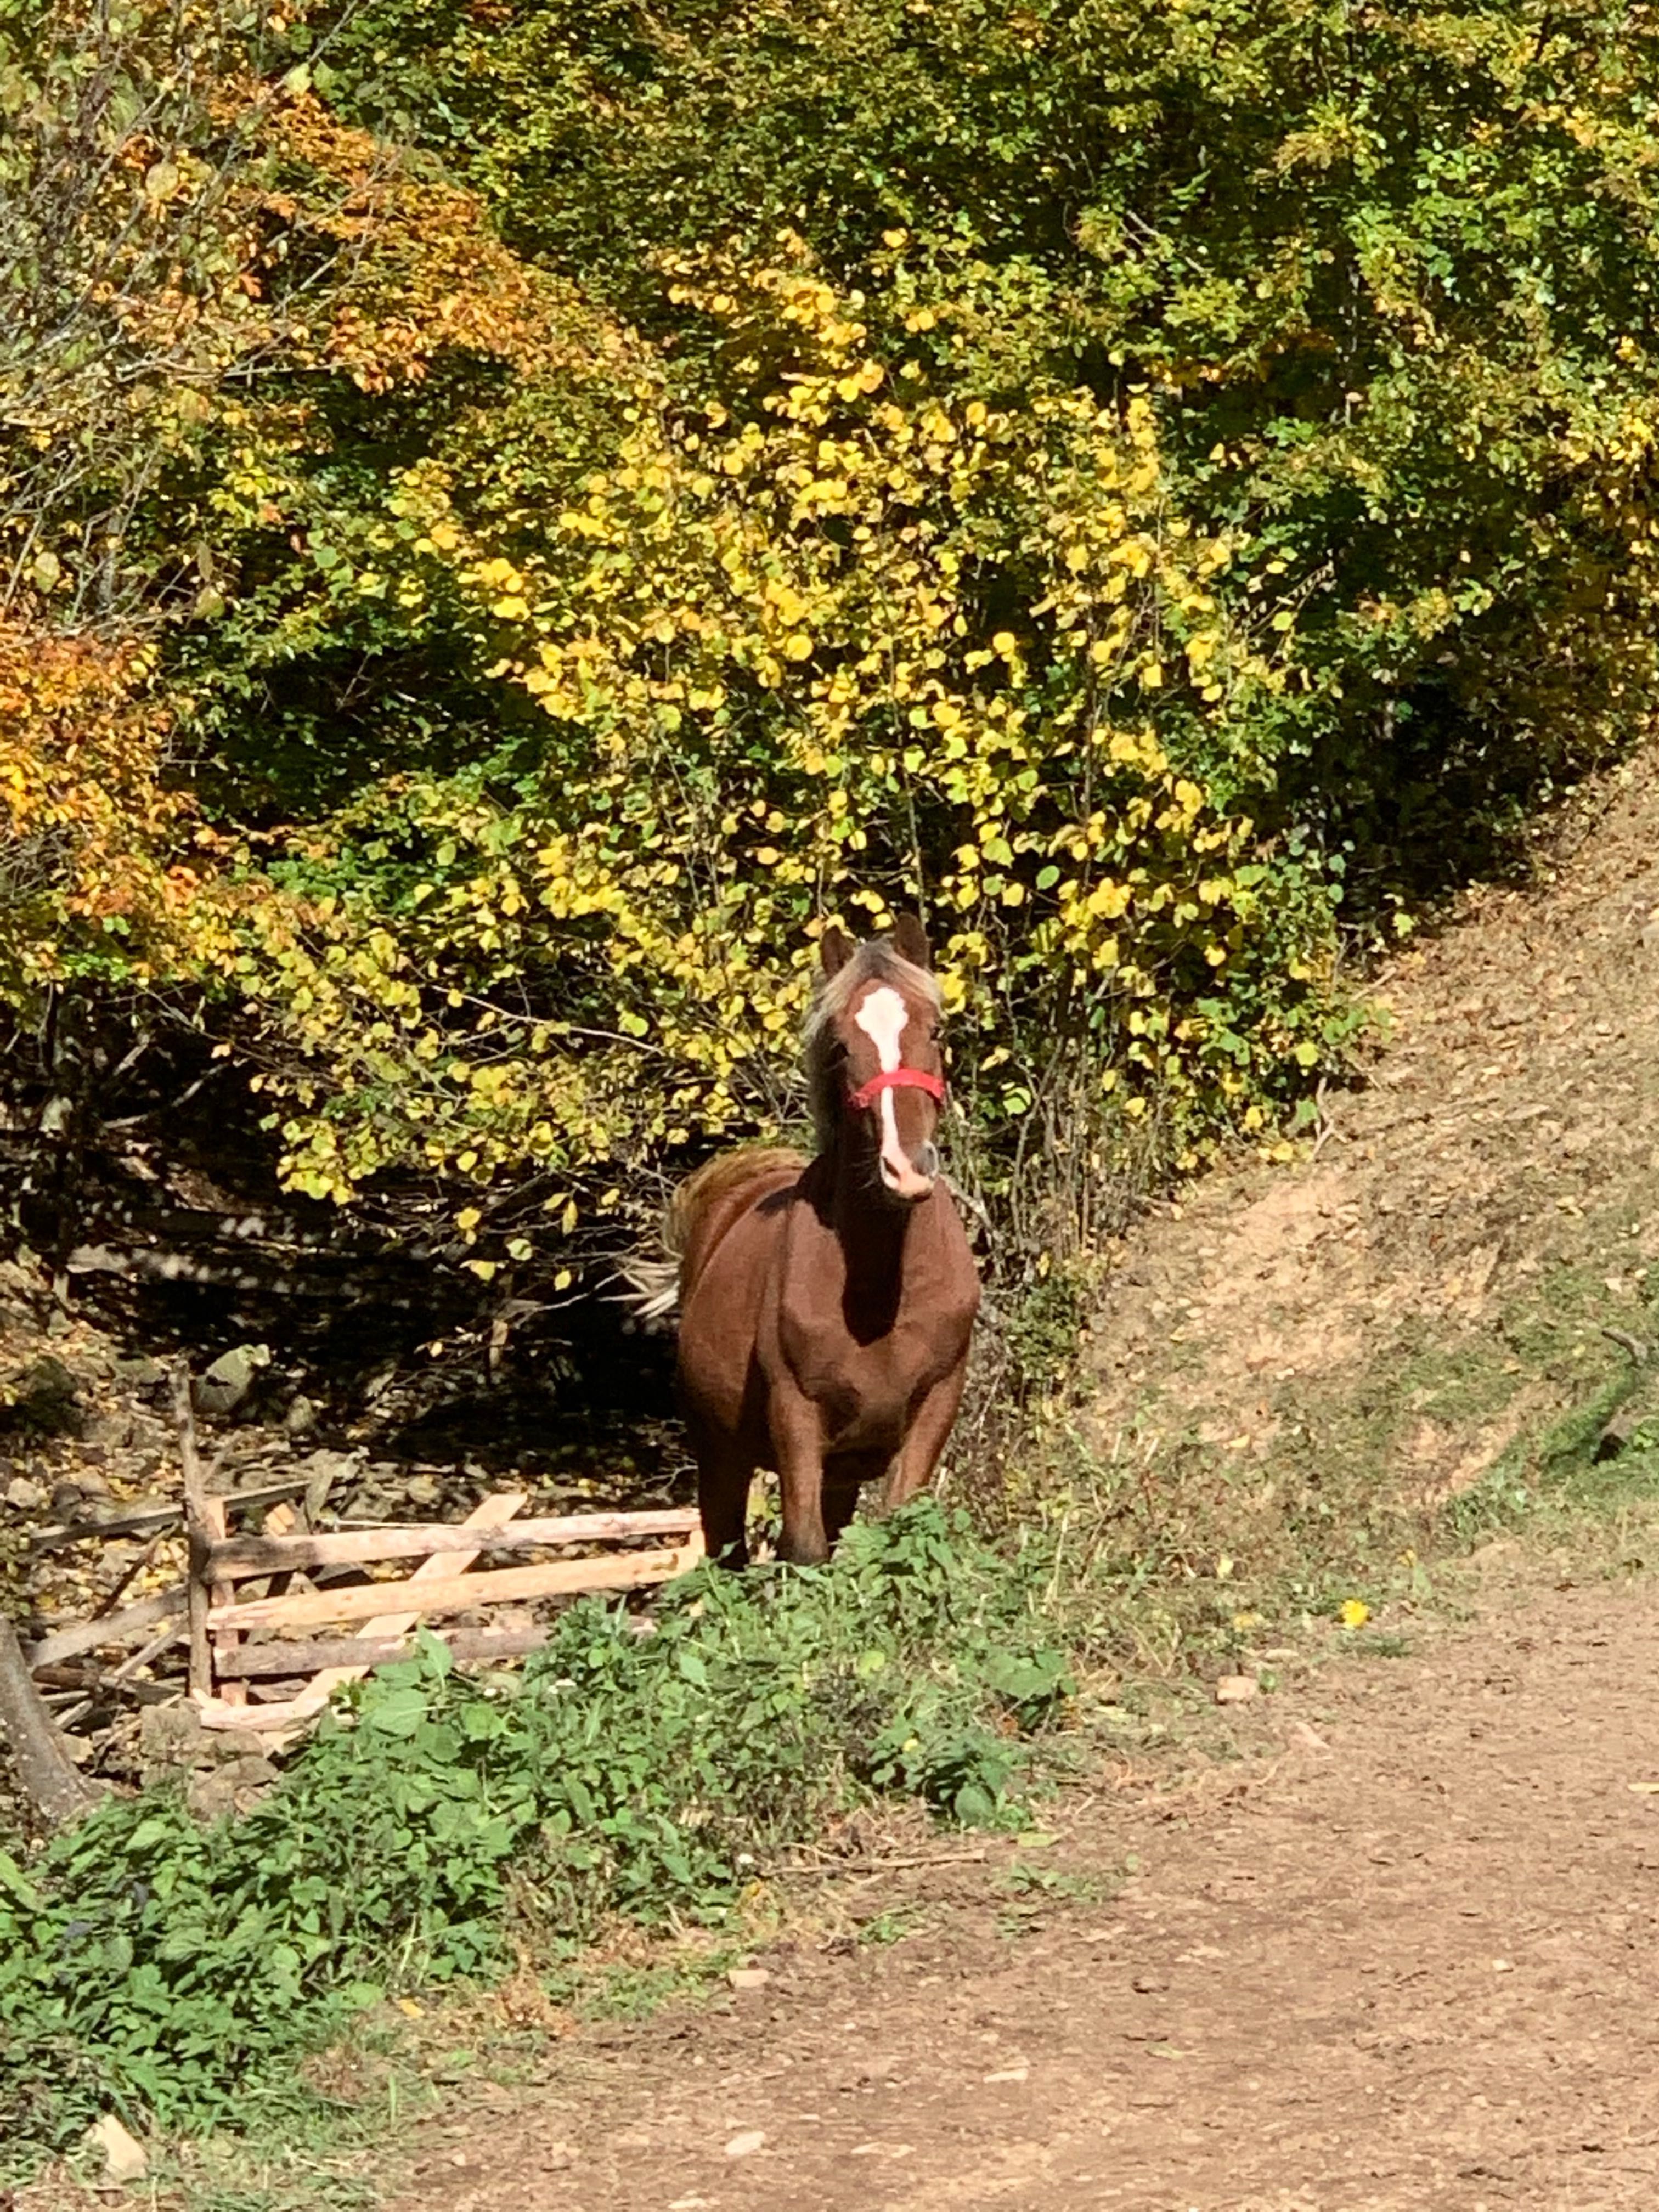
[{"x": 874, "y": 1052}]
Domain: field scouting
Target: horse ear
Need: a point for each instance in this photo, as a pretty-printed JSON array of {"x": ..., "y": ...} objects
[
  {"x": 835, "y": 950},
  {"x": 911, "y": 939}
]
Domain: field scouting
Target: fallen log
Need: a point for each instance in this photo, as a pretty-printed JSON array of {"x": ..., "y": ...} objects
[{"x": 247, "y": 1556}]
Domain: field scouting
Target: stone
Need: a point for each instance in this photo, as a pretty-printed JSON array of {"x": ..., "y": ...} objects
[
  {"x": 228, "y": 1382},
  {"x": 325, "y": 1466},
  {"x": 746, "y": 2144},
  {"x": 169, "y": 1737},
  {"x": 1235, "y": 1689},
  {"x": 301, "y": 1417},
  {"x": 235, "y": 1786},
  {"x": 124, "y": 2159},
  {"x": 1307, "y": 1738},
  {"x": 44, "y": 1399},
  {"x": 749, "y": 1978},
  {"x": 26, "y": 1497},
  {"x": 141, "y": 1374}
]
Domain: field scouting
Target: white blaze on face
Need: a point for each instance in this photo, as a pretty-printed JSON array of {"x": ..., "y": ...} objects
[{"x": 881, "y": 1014}]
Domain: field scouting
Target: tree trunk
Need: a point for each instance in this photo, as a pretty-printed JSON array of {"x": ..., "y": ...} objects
[{"x": 59, "y": 1792}]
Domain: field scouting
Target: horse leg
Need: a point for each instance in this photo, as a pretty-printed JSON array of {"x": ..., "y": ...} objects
[
  {"x": 724, "y": 1472},
  {"x": 844, "y": 1476},
  {"x": 931, "y": 1423},
  {"x": 797, "y": 1447},
  {"x": 841, "y": 1501}
]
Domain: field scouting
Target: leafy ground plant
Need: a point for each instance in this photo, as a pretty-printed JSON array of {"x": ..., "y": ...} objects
[{"x": 161, "y": 1969}]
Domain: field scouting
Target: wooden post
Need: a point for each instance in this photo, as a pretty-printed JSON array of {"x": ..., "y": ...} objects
[
  {"x": 220, "y": 1593},
  {"x": 200, "y": 1531}
]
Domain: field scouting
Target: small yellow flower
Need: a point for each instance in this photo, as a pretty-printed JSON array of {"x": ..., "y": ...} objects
[{"x": 1355, "y": 1612}]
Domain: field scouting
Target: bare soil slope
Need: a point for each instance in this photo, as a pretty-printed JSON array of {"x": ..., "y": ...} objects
[
  {"x": 1415, "y": 1296},
  {"x": 1398, "y": 1951}
]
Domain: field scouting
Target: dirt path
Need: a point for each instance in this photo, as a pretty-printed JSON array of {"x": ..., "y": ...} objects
[{"x": 1409, "y": 1964}]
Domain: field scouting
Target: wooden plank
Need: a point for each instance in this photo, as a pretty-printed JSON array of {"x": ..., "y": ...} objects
[
  {"x": 145, "y": 1654},
  {"x": 114, "y": 1628},
  {"x": 89, "y": 1681},
  {"x": 291, "y": 1715},
  {"x": 452, "y": 1593},
  {"x": 142, "y": 1519},
  {"x": 244, "y": 1556},
  {"x": 290, "y": 1718},
  {"x": 250, "y": 1661}
]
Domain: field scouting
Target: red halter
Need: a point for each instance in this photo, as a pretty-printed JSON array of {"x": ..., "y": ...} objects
[{"x": 896, "y": 1078}]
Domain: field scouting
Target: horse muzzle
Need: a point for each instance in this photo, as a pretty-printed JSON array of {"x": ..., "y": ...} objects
[{"x": 910, "y": 1177}]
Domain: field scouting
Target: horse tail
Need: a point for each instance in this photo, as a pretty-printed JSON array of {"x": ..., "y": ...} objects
[{"x": 653, "y": 1279}]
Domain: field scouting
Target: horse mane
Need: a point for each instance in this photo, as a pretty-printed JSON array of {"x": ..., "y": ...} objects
[
  {"x": 878, "y": 960},
  {"x": 652, "y": 1279}
]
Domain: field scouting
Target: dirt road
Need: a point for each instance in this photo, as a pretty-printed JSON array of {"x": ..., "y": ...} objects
[{"x": 1400, "y": 1953}]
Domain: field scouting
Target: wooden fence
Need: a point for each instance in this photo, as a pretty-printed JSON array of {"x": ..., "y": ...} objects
[{"x": 264, "y": 1611}]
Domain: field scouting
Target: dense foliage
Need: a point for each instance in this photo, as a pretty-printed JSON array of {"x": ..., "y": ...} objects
[{"x": 512, "y": 515}]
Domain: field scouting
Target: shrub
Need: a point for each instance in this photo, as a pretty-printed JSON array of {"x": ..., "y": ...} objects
[{"x": 852, "y": 642}]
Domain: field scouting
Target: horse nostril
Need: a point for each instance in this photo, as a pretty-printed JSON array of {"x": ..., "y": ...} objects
[{"x": 927, "y": 1161}]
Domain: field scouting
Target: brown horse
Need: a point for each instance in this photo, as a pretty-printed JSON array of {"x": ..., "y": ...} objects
[{"x": 826, "y": 1304}]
